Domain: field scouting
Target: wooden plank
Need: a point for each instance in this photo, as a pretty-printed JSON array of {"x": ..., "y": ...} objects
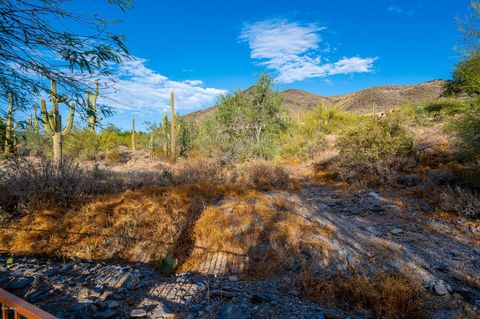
[{"x": 22, "y": 307}]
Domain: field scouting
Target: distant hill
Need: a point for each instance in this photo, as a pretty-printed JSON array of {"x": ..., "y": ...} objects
[{"x": 383, "y": 97}]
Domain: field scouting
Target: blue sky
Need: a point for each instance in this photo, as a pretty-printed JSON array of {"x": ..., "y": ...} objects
[{"x": 203, "y": 48}]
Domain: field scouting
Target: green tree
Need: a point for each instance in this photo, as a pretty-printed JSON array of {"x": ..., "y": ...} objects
[{"x": 249, "y": 123}]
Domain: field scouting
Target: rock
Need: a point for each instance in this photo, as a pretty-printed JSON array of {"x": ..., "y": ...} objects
[
  {"x": 374, "y": 195},
  {"x": 222, "y": 293},
  {"x": 259, "y": 298},
  {"x": 113, "y": 304},
  {"x": 233, "y": 278},
  {"x": 3, "y": 278},
  {"x": 106, "y": 314},
  {"x": 21, "y": 283},
  {"x": 138, "y": 313},
  {"x": 377, "y": 208},
  {"x": 396, "y": 231},
  {"x": 161, "y": 311},
  {"x": 294, "y": 292},
  {"x": 440, "y": 289},
  {"x": 441, "y": 267},
  {"x": 231, "y": 311},
  {"x": 331, "y": 315},
  {"x": 83, "y": 293}
]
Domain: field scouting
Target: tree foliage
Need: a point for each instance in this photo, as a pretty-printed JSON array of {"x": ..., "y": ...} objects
[
  {"x": 247, "y": 124},
  {"x": 36, "y": 44}
]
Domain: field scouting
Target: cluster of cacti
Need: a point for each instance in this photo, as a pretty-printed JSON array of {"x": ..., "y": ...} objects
[
  {"x": 33, "y": 121},
  {"x": 52, "y": 121},
  {"x": 10, "y": 139},
  {"x": 91, "y": 108},
  {"x": 132, "y": 134}
]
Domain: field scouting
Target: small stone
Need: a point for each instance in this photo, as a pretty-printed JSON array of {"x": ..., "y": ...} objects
[
  {"x": 21, "y": 283},
  {"x": 138, "y": 313},
  {"x": 374, "y": 196},
  {"x": 396, "y": 231},
  {"x": 331, "y": 315},
  {"x": 294, "y": 292},
  {"x": 230, "y": 311},
  {"x": 440, "y": 289},
  {"x": 83, "y": 293},
  {"x": 441, "y": 267},
  {"x": 106, "y": 314},
  {"x": 233, "y": 278},
  {"x": 222, "y": 293}
]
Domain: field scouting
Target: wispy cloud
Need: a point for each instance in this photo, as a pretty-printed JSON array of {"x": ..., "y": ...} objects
[
  {"x": 399, "y": 10},
  {"x": 141, "y": 89},
  {"x": 292, "y": 50}
]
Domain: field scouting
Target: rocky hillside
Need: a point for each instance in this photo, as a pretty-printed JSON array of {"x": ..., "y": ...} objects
[{"x": 383, "y": 97}]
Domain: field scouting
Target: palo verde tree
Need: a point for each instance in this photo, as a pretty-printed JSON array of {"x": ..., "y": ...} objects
[
  {"x": 249, "y": 122},
  {"x": 37, "y": 42},
  {"x": 52, "y": 121}
]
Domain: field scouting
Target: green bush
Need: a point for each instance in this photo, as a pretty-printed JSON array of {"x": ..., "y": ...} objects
[
  {"x": 465, "y": 131},
  {"x": 374, "y": 148},
  {"x": 445, "y": 107}
]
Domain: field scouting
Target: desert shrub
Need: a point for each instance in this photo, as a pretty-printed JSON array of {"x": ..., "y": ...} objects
[
  {"x": 374, "y": 148},
  {"x": 460, "y": 201},
  {"x": 264, "y": 176},
  {"x": 465, "y": 132},
  {"x": 384, "y": 295},
  {"x": 410, "y": 114},
  {"x": 443, "y": 107},
  {"x": 199, "y": 170},
  {"x": 308, "y": 136},
  {"x": 115, "y": 157}
]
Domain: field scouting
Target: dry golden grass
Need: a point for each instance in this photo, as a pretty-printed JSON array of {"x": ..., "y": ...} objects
[
  {"x": 264, "y": 176},
  {"x": 384, "y": 295}
]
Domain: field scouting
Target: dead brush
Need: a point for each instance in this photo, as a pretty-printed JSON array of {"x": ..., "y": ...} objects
[
  {"x": 264, "y": 176},
  {"x": 383, "y": 295},
  {"x": 27, "y": 185},
  {"x": 460, "y": 201},
  {"x": 199, "y": 170}
]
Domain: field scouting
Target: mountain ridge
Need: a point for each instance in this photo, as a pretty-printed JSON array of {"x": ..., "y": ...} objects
[{"x": 384, "y": 98}]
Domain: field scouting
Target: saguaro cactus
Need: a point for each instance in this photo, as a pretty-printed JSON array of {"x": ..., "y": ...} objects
[
  {"x": 173, "y": 127},
  {"x": 91, "y": 106},
  {"x": 166, "y": 134},
  {"x": 132, "y": 134},
  {"x": 11, "y": 126},
  {"x": 52, "y": 121},
  {"x": 36, "y": 129}
]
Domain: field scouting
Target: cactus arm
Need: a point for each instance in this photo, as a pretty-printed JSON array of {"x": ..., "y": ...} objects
[
  {"x": 69, "y": 126},
  {"x": 45, "y": 118}
]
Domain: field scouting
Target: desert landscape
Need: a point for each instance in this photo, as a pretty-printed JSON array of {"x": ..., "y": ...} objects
[{"x": 270, "y": 202}]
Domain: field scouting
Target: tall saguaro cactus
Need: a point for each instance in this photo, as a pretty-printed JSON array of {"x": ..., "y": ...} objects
[
  {"x": 36, "y": 129},
  {"x": 11, "y": 126},
  {"x": 52, "y": 121},
  {"x": 166, "y": 134},
  {"x": 173, "y": 127},
  {"x": 132, "y": 134},
  {"x": 91, "y": 106}
]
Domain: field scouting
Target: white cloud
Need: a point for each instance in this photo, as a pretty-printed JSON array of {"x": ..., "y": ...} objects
[
  {"x": 399, "y": 10},
  {"x": 139, "y": 88},
  {"x": 292, "y": 50}
]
